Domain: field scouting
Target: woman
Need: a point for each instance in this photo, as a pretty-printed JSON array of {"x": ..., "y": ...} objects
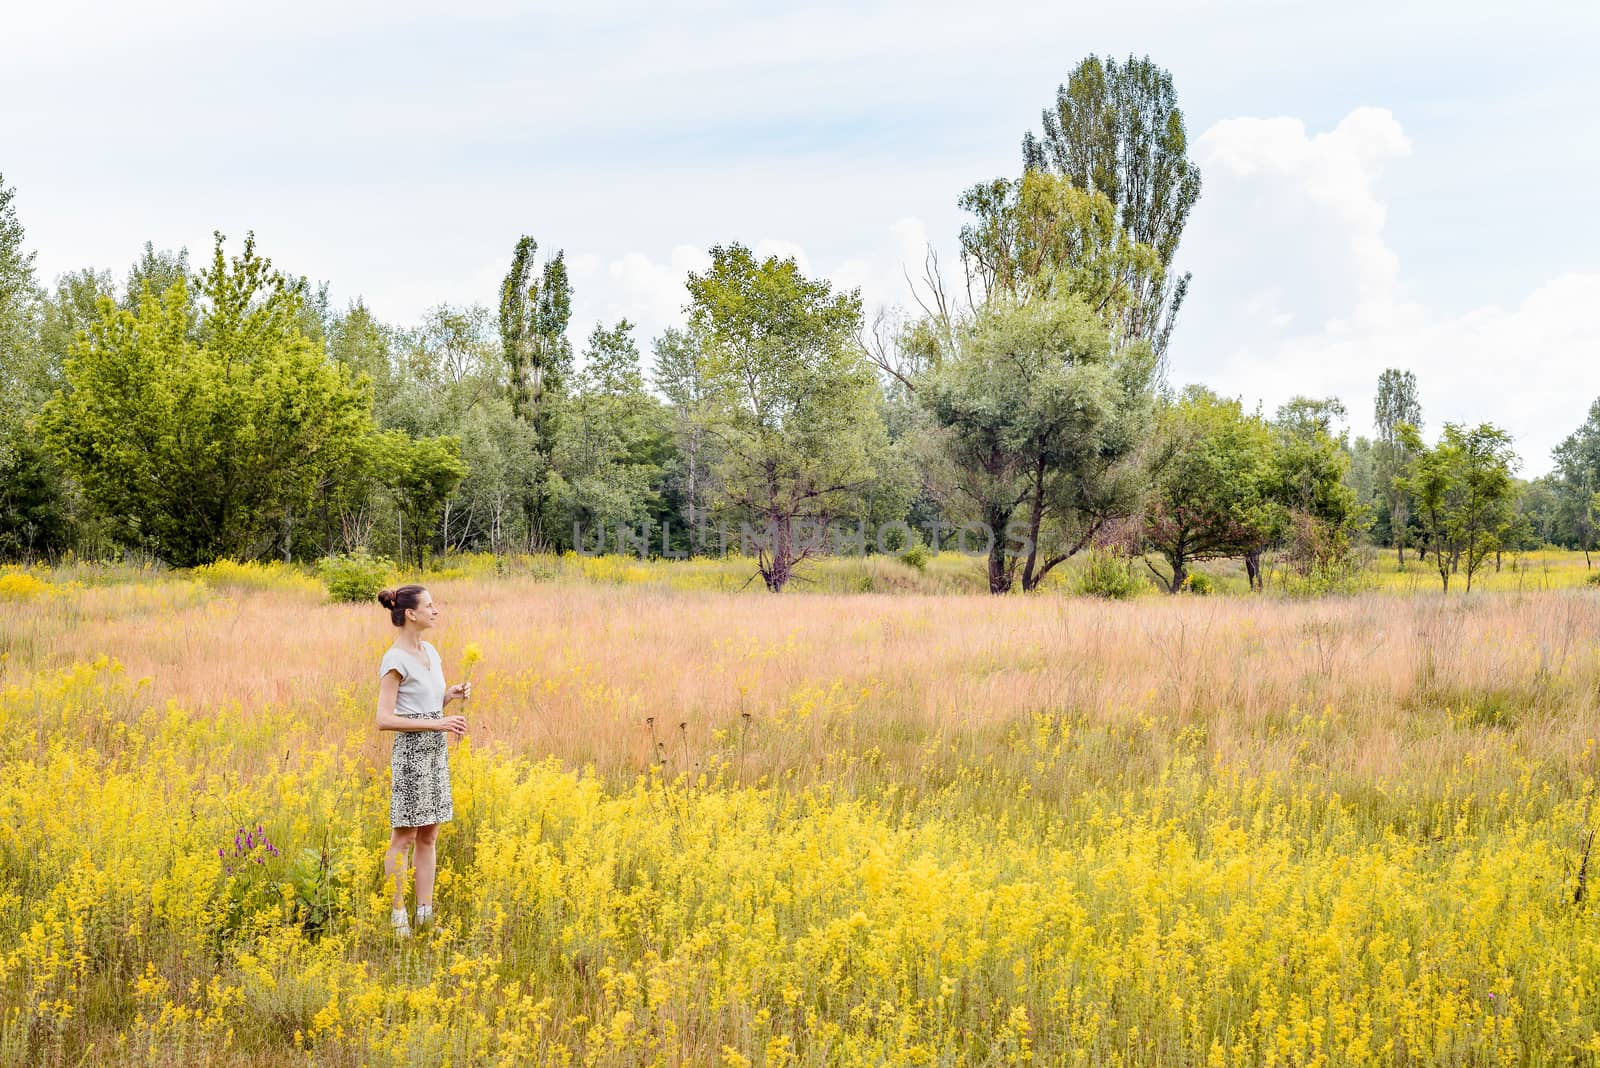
[{"x": 411, "y": 700}]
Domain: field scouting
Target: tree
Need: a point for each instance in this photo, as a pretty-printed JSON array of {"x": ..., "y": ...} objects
[
  {"x": 613, "y": 433},
  {"x": 1214, "y": 477},
  {"x": 681, "y": 376},
  {"x": 1116, "y": 129},
  {"x": 1396, "y": 406},
  {"x": 793, "y": 397},
  {"x": 1041, "y": 234},
  {"x": 1321, "y": 513},
  {"x": 1037, "y": 408},
  {"x": 33, "y": 514},
  {"x": 203, "y": 446},
  {"x": 1577, "y": 480},
  {"x": 538, "y": 357},
  {"x": 157, "y": 272},
  {"x": 17, "y": 293},
  {"x": 1464, "y": 493},
  {"x": 422, "y": 473}
]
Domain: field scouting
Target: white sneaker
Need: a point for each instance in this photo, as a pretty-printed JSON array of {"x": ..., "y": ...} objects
[
  {"x": 401, "y": 923},
  {"x": 424, "y": 915}
]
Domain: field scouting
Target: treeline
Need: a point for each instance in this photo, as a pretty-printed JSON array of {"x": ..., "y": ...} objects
[{"x": 232, "y": 410}]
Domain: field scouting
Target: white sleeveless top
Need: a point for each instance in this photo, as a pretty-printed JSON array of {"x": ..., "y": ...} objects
[{"x": 421, "y": 689}]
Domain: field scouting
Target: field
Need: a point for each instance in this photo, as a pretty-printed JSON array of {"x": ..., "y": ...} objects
[{"x": 700, "y": 826}]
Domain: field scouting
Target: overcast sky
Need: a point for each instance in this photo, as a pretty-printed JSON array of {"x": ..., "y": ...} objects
[{"x": 1395, "y": 184}]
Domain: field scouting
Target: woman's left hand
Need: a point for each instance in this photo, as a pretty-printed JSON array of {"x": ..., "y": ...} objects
[{"x": 459, "y": 692}]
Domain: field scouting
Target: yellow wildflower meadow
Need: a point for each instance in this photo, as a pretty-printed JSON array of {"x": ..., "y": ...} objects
[{"x": 187, "y": 883}]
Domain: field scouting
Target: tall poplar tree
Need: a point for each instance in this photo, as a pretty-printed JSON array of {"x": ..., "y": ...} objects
[
  {"x": 1116, "y": 129},
  {"x": 1396, "y": 406},
  {"x": 534, "y": 312}
]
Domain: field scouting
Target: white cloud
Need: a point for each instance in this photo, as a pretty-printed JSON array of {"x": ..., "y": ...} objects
[{"x": 1301, "y": 292}]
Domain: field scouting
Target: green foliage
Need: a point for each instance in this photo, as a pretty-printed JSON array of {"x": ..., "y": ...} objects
[
  {"x": 1576, "y": 480},
  {"x": 1464, "y": 494},
  {"x": 1041, "y": 234},
  {"x": 917, "y": 555},
  {"x": 1321, "y": 515},
  {"x": 354, "y": 578},
  {"x": 1396, "y": 407},
  {"x": 1107, "y": 575},
  {"x": 792, "y": 399},
  {"x": 198, "y": 430},
  {"x": 1214, "y": 476},
  {"x": 1199, "y": 584},
  {"x": 17, "y": 294},
  {"x": 422, "y": 473},
  {"x": 614, "y": 439},
  {"x": 1036, "y": 406},
  {"x": 538, "y": 360},
  {"x": 1116, "y": 129}
]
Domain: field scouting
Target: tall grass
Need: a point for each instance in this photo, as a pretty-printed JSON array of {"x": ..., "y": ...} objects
[{"x": 695, "y": 828}]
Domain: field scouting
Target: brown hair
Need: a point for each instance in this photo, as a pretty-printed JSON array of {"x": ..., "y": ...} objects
[{"x": 398, "y": 600}]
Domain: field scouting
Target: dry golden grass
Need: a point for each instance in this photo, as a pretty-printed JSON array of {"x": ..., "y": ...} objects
[{"x": 575, "y": 671}]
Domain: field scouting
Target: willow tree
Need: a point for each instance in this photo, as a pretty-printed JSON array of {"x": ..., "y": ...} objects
[
  {"x": 1116, "y": 129},
  {"x": 1040, "y": 417}
]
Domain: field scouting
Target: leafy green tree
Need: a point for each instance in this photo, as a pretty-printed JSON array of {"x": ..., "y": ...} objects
[
  {"x": 538, "y": 358},
  {"x": 36, "y": 516},
  {"x": 613, "y": 434},
  {"x": 422, "y": 473},
  {"x": 1577, "y": 480},
  {"x": 795, "y": 415},
  {"x": 17, "y": 293},
  {"x": 202, "y": 445},
  {"x": 1322, "y": 514},
  {"x": 157, "y": 272},
  {"x": 1040, "y": 413},
  {"x": 1214, "y": 481},
  {"x": 1116, "y": 129},
  {"x": 1040, "y": 234},
  {"x": 1396, "y": 406},
  {"x": 1464, "y": 494},
  {"x": 681, "y": 376}
]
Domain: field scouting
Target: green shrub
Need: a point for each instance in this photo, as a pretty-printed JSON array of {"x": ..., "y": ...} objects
[
  {"x": 1105, "y": 574},
  {"x": 1594, "y": 579},
  {"x": 917, "y": 556},
  {"x": 1200, "y": 585},
  {"x": 354, "y": 578}
]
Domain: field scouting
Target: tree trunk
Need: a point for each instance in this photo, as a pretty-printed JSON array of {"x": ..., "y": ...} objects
[
  {"x": 1030, "y": 578},
  {"x": 1252, "y": 570},
  {"x": 1180, "y": 572},
  {"x": 1000, "y": 574},
  {"x": 779, "y": 564}
]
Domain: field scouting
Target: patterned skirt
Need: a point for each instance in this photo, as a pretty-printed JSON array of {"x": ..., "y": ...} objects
[{"x": 420, "y": 769}]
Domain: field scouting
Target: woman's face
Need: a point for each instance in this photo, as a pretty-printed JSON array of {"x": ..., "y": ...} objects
[{"x": 425, "y": 615}]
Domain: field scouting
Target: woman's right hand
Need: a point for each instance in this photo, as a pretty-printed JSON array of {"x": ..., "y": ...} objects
[{"x": 454, "y": 724}]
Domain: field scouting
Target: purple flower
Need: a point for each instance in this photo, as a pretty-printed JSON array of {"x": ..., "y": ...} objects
[
  {"x": 221, "y": 852},
  {"x": 249, "y": 843}
]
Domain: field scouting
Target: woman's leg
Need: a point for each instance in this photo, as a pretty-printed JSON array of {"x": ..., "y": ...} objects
[
  {"x": 426, "y": 862},
  {"x": 394, "y": 862}
]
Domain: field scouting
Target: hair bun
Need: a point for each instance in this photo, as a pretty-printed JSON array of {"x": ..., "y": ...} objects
[{"x": 386, "y": 598}]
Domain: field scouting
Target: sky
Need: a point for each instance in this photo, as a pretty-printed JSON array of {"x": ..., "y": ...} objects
[{"x": 1389, "y": 184}]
